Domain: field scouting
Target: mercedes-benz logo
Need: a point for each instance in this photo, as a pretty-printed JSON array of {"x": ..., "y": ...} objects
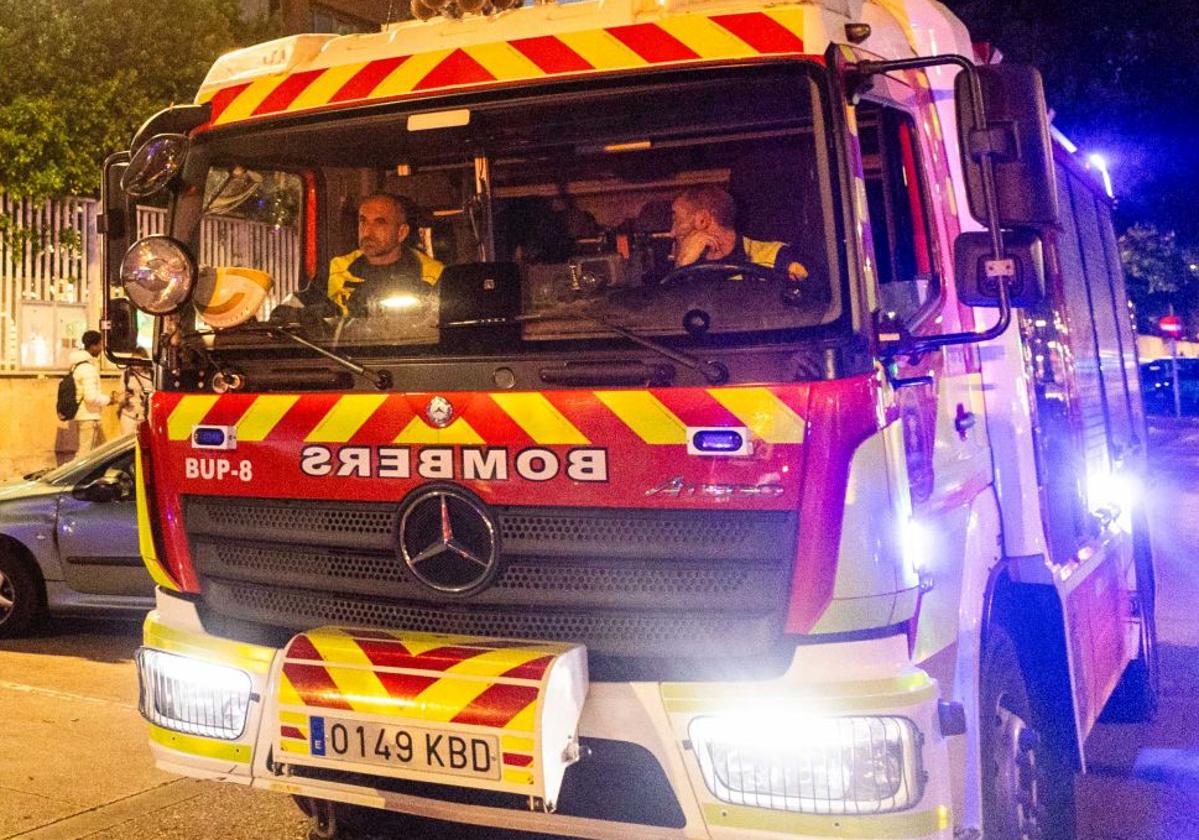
[
  {"x": 440, "y": 412},
  {"x": 448, "y": 541}
]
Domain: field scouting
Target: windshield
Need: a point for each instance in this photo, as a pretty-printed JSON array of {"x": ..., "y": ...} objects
[
  {"x": 73, "y": 472},
  {"x": 693, "y": 207}
]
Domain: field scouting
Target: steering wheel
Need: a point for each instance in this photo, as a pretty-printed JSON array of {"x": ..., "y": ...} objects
[{"x": 701, "y": 270}]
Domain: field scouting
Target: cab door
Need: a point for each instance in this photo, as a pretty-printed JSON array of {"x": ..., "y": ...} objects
[{"x": 938, "y": 396}]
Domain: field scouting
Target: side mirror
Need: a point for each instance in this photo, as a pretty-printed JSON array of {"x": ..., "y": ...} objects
[
  {"x": 110, "y": 487},
  {"x": 155, "y": 164},
  {"x": 1016, "y": 137},
  {"x": 120, "y": 327},
  {"x": 973, "y": 255},
  {"x": 118, "y": 220}
]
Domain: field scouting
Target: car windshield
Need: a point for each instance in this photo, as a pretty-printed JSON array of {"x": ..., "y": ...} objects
[
  {"x": 72, "y": 472},
  {"x": 538, "y": 220}
]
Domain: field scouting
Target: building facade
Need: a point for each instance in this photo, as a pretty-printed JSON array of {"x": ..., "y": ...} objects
[{"x": 338, "y": 16}]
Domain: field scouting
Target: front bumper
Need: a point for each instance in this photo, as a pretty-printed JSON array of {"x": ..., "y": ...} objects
[{"x": 869, "y": 680}]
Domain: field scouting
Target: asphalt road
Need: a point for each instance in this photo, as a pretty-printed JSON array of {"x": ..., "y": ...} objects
[
  {"x": 73, "y": 760},
  {"x": 1144, "y": 779}
]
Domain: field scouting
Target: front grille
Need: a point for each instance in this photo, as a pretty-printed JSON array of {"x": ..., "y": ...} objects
[{"x": 627, "y": 583}]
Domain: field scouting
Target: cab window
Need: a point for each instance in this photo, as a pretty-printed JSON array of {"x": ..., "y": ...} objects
[{"x": 899, "y": 217}]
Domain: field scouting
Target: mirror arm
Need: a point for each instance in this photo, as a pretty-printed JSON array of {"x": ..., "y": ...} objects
[{"x": 1002, "y": 268}]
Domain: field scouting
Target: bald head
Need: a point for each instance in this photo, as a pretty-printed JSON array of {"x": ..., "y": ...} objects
[{"x": 382, "y": 228}]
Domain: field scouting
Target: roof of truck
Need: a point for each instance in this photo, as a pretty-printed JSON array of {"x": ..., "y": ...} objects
[{"x": 305, "y": 73}]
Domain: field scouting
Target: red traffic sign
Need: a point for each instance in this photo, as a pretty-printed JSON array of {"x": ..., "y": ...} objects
[{"x": 1170, "y": 325}]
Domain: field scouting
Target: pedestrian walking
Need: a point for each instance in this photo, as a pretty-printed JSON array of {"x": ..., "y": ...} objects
[
  {"x": 91, "y": 398},
  {"x": 136, "y": 399}
]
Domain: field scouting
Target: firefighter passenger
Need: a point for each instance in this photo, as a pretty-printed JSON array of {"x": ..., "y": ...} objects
[{"x": 703, "y": 228}]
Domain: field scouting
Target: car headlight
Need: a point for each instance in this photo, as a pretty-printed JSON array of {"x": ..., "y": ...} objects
[
  {"x": 193, "y": 696},
  {"x": 158, "y": 274},
  {"x": 811, "y": 765}
]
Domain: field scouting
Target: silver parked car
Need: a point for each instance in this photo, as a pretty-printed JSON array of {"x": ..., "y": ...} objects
[{"x": 68, "y": 541}]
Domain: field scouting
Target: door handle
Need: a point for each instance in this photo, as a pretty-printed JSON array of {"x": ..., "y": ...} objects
[{"x": 964, "y": 421}]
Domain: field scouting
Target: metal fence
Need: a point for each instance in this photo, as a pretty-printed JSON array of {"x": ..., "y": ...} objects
[{"x": 51, "y": 280}]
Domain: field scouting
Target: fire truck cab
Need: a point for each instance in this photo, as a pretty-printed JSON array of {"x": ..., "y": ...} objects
[{"x": 469, "y": 496}]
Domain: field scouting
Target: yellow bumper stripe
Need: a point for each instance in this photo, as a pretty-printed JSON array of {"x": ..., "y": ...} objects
[
  {"x": 875, "y": 827},
  {"x": 518, "y": 744},
  {"x": 493, "y": 663},
  {"x": 444, "y": 699},
  {"x": 254, "y": 658},
  {"x": 345, "y": 418},
  {"x": 190, "y": 411},
  {"x": 339, "y": 648},
  {"x": 764, "y": 414},
  {"x": 293, "y": 719},
  {"x": 203, "y": 747},
  {"x": 644, "y": 413},
  {"x": 262, "y": 416},
  {"x": 518, "y": 777},
  {"x": 540, "y": 420},
  {"x": 362, "y": 690}
]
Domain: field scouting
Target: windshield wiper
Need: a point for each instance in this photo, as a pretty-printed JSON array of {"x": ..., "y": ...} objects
[
  {"x": 381, "y": 379},
  {"x": 715, "y": 373}
]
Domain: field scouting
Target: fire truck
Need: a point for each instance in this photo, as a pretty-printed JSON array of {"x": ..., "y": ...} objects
[{"x": 559, "y": 534}]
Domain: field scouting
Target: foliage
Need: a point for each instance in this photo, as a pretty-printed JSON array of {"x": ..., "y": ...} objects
[
  {"x": 1160, "y": 274},
  {"x": 81, "y": 75}
]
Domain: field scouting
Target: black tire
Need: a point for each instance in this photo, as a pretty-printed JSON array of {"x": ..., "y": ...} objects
[
  {"x": 1028, "y": 785},
  {"x": 1135, "y": 697},
  {"x": 20, "y": 596}
]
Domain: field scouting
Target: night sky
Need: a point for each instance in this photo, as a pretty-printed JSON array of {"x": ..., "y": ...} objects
[{"x": 1122, "y": 77}]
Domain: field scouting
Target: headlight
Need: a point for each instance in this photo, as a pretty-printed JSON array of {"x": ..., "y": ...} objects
[
  {"x": 192, "y": 696},
  {"x": 158, "y": 274},
  {"x": 811, "y": 765}
]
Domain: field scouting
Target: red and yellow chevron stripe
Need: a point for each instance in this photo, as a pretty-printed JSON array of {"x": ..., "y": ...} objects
[
  {"x": 672, "y": 40},
  {"x": 458, "y": 683},
  {"x": 566, "y": 418}
]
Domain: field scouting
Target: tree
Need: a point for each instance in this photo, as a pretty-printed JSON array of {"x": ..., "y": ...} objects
[
  {"x": 81, "y": 75},
  {"x": 1161, "y": 274}
]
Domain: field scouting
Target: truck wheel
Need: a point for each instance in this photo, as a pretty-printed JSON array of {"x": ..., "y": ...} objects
[
  {"x": 19, "y": 596},
  {"x": 1028, "y": 788},
  {"x": 1135, "y": 697}
]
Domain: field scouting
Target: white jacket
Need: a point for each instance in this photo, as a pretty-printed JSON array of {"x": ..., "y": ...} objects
[{"x": 87, "y": 386}]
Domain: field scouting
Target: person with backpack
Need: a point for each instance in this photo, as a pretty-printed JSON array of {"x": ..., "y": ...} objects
[
  {"x": 81, "y": 387},
  {"x": 134, "y": 403}
]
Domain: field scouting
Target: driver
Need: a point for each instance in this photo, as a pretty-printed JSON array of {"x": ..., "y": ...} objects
[
  {"x": 382, "y": 267},
  {"x": 703, "y": 229}
]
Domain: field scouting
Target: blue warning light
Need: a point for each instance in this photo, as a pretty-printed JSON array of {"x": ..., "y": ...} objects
[{"x": 718, "y": 440}]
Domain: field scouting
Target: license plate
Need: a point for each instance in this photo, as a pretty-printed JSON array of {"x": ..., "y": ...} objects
[{"x": 406, "y": 747}]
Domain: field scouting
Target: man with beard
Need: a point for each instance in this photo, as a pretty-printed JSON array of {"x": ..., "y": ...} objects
[{"x": 382, "y": 271}]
